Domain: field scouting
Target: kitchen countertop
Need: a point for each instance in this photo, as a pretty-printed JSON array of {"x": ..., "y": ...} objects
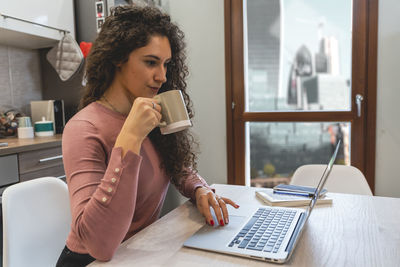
[{"x": 16, "y": 145}]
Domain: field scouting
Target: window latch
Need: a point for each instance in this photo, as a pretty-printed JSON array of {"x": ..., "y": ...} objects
[{"x": 359, "y": 99}]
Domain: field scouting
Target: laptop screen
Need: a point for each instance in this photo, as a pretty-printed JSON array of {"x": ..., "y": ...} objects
[{"x": 323, "y": 179}]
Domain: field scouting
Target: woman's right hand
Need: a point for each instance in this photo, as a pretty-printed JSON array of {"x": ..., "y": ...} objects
[{"x": 143, "y": 117}]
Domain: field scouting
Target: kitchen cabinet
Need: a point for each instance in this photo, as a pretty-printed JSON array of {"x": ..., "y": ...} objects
[
  {"x": 27, "y": 159},
  {"x": 56, "y": 14}
]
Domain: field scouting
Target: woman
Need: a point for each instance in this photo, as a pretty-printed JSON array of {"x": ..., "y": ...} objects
[{"x": 117, "y": 163}]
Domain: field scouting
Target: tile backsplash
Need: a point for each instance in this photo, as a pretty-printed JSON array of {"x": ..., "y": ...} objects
[{"x": 20, "y": 78}]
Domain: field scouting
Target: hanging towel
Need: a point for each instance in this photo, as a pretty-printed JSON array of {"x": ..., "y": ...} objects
[{"x": 66, "y": 57}]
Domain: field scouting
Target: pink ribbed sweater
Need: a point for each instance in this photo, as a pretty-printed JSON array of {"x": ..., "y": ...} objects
[{"x": 111, "y": 197}]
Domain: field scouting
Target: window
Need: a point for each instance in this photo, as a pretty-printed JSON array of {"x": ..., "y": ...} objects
[{"x": 296, "y": 83}]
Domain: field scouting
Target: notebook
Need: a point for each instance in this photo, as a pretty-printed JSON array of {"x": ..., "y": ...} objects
[
  {"x": 292, "y": 189},
  {"x": 259, "y": 232},
  {"x": 268, "y": 196}
]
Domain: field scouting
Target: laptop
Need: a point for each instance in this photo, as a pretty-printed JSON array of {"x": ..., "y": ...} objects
[{"x": 259, "y": 232}]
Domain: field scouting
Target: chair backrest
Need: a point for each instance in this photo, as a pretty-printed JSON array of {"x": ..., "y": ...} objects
[
  {"x": 342, "y": 179},
  {"x": 36, "y": 222}
]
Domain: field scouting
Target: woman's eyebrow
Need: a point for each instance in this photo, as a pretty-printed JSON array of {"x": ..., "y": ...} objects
[
  {"x": 152, "y": 56},
  {"x": 156, "y": 57}
]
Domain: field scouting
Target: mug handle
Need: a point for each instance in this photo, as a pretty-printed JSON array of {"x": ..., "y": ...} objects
[{"x": 162, "y": 123}]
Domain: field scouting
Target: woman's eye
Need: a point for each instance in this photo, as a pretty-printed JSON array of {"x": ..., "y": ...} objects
[{"x": 151, "y": 62}]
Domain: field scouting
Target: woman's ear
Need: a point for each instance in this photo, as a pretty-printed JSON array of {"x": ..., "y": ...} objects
[{"x": 118, "y": 65}]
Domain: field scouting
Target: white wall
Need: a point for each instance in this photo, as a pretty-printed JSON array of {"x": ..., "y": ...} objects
[
  {"x": 387, "y": 175},
  {"x": 203, "y": 24}
]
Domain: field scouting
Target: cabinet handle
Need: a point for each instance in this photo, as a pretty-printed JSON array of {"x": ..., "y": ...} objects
[
  {"x": 61, "y": 177},
  {"x": 50, "y": 158},
  {"x": 35, "y": 23}
]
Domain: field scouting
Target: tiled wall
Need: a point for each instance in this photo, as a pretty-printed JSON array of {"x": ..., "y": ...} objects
[{"x": 20, "y": 80}]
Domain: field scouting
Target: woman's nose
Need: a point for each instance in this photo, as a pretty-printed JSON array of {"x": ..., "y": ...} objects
[{"x": 161, "y": 75}]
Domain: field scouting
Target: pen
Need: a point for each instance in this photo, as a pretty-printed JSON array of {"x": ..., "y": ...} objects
[
  {"x": 293, "y": 193},
  {"x": 3, "y": 144}
]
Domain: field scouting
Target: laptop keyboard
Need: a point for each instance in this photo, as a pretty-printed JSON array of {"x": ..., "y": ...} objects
[{"x": 265, "y": 231}]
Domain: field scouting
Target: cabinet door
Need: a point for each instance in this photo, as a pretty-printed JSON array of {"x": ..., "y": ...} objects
[
  {"x": 41, "y": 163},
  {"x": 56, "y": 171},
  {"x": 8, "y": 169},
  {"x": 54, "y": 13},
  {"x": 39, "y": 159}
]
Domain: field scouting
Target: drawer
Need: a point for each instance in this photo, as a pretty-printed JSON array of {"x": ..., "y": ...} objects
[
  {"x": 56, "y": 171},
  {"x": 8, "y": 169},
  {"x": 39, "y": 159}
]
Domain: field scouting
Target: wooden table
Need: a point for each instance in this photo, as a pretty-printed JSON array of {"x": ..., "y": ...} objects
[{"x": 354, "y": 231}]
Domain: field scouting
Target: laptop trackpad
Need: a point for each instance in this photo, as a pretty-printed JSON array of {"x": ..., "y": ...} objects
[
  {"x": 235, "y": 221},
  {"x": 216, "y": 235}
]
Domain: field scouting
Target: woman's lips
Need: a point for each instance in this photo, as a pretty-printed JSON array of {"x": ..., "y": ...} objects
[{"x": 155, "y": 89}]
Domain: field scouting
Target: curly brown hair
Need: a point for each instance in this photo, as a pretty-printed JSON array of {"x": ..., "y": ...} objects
[{"x": 129, "y": 28}]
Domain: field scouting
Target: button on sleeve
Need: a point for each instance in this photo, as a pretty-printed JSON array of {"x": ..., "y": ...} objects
[
  {"x": 109, "y": 184},
  {"x": 116, "y": 171}
]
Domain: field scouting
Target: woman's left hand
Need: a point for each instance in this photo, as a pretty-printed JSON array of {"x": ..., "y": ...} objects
[{"x": 205, "y": 198}]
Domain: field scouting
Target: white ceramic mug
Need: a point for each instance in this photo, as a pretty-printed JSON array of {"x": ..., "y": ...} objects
[{"x": 173, "y": 110}]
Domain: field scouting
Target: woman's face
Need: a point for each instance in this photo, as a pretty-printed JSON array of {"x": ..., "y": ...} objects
[{"x": 145, "y": 71}]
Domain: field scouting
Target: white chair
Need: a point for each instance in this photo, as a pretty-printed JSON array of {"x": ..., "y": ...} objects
[
  {"x": 342, "y": 179},
  {"x": 36, "y": 222}
]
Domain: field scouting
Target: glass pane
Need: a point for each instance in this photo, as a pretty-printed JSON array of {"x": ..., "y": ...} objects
[
  {"x": 297, "y": 55},
  {"x": 277, "y": 149}
]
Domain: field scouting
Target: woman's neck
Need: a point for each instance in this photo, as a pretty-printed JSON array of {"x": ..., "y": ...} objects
[{"x": 117, "y": 99}]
